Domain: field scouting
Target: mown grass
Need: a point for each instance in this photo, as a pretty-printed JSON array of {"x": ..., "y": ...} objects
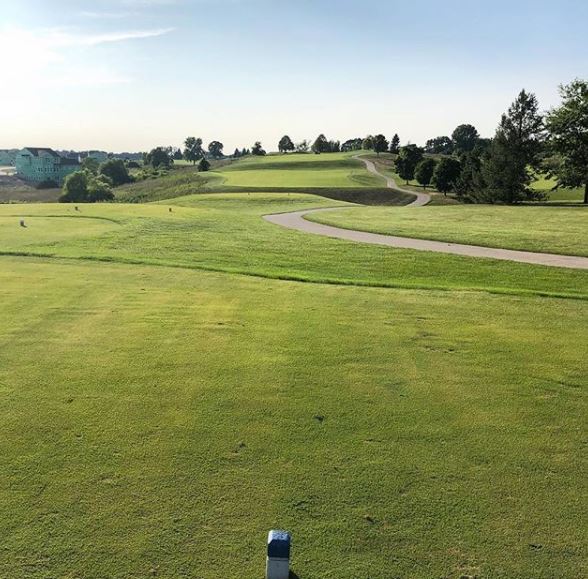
[
  {"x": 336, "y": 175},
  {"x": 545, "y": 229},
  {"x": 225, "y": 232},
  {"x": 157, "y": 422}
]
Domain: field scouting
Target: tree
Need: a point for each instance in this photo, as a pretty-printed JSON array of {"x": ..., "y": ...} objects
[
  {"x": 193, "y": 149},
  {"x": 352, "y": 145},
  {"x": 158, "y": 157},
  {"x": 424, "y": 171},
  {"x": 91, "y": 165},
  {"x": 203, "y": 165},
  {"x": 506, "y": 168},
  {"x": 236, "y": 154},
  {"x": 439, "y": 146},
  {"x": 446, "y": 174},
  {"x": 320, "y": 145},
  {"x": 75, "y": 187},
  {"x": 469, "y": 185},
  {"x": 395, "y": 144},
  {"x": 368, "y": 143},
  {"x": 83, "y": 187},
  {"x": 380, "y": 144},
  {"x": 177, "y": 154},
  {"x": 303, "y": 146},
  {"x": 116, "y": 171},
  {"x": 257, "y": 149},
  {"x": 99, "y": 189},
  {"x": 568, "y": 135},
  {"x": 285, "y": 144},
  {"x": 215, "y": 149},
  {"x": 407, "y": 160},
  {"x": 464, "y": 138}
]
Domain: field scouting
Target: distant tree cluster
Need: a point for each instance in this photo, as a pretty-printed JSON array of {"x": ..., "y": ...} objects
[
  {"x": 502, "y": 169},
  {"x": 95, "y": 181},
  {"x": 324, "y": 145}
]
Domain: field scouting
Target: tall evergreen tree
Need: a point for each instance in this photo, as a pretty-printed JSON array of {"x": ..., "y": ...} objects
[
  {"x": 395, "y": 144},
  {"x": 506, "y": 169}
]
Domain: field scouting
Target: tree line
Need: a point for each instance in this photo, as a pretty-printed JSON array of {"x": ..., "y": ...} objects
[{"x": 501, "y": 170}]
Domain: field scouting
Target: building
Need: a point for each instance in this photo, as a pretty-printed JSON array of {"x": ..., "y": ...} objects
[
  {"x": 99, "y": 156},
  {"x": 38, "y": 164},
  {"x": 7, "y": 157}
]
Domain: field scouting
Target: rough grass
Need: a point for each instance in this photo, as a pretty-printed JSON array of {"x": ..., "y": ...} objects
[
  {"x": 225, "y": 232},
  {"x": 157, "y": 422},
  {"x": 544, "y": 229}
]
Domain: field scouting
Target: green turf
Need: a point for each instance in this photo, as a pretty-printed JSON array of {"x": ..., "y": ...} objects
[
  {"x": 545, "y": 229},
  {"x": 157, "y": 422},
  {"x": 335, "y": 174},
  {"x": 159, "y": 412},
  {"x": 546, "y": 185},
  {"x": 225, "y": 232}
]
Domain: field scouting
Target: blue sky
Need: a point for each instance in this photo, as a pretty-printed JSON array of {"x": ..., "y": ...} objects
[{"x": 133, "y": 74}]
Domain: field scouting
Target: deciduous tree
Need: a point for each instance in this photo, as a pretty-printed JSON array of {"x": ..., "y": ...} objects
[
  {"x": 424, "y": 171},
  {"x": 464, "y": 138},
  {"x": 193, "y": 149},
  {"x": 215, "y": 149},
  {"x": 407, "y": 160},
  {"x": 257, "y": 149},
  {"x": 285, "y": 144},
  {"x": 446, "y": 174},
  {"x": 568, "y": 134},
  {"x": 380, "y": 144}
]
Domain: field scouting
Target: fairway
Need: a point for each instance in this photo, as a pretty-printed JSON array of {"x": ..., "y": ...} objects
[
  {"x": 544, "y": 229},
  {"x": 390, "y": 430},
  {"x": 300, "y": 170}
]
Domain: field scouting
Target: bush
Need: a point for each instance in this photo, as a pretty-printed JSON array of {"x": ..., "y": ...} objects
[
  {"x": 83, "y": 187},
  {"x": 204, "y": 165},
  {"x": 116, "y": 171}
]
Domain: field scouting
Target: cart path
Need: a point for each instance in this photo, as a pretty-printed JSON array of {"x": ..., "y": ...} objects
[{"x": 296, "y": 220}]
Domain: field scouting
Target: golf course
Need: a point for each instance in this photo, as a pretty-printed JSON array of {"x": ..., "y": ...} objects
[{"x": 181, "y": 373}]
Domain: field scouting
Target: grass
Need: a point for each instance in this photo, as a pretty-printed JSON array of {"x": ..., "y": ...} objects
[
  {"x": 157, "y": 422},
  {"x": 335, "y": 175},
  {"x": 544, "y": 229},
  {"x": 225, "y": 232},
  {"x": 546, "y": 184},
  {"x": 169, "y": 391}
]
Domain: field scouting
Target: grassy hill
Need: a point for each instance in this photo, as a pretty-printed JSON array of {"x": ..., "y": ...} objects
[{"x": 334, "y": 175}]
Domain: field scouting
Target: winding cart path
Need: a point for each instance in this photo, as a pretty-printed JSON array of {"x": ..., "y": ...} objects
[{"x": 296, "y": 220}]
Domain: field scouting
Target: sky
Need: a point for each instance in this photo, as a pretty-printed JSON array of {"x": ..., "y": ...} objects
[{"x": 129, "y": 75}]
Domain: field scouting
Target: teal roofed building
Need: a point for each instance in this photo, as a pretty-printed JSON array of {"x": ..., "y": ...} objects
[
  {"x": 37, "y": 164},
  {"x": 7, "y": 157}
]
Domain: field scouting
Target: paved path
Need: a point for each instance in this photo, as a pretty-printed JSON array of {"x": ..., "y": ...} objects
[
  {"x": 420, "y": 198},
  {"x": 295, "y": 220}
]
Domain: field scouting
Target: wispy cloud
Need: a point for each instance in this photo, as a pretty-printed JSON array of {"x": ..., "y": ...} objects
[
  {"x": 47, "y": 53},
  {"x": 105, "y": 15},
  {"x": 60, "y": 38}
]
